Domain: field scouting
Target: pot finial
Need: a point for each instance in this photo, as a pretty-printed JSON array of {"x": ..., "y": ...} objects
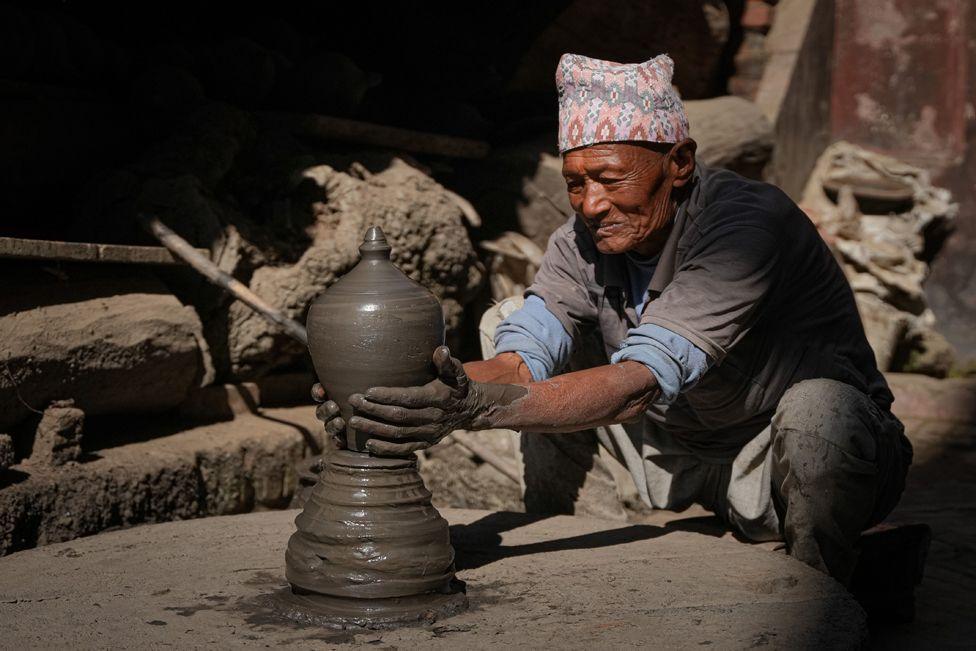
[{"x": 375, "y": 243}]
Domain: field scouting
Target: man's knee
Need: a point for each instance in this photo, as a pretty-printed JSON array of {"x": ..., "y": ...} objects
[
  {"x": 837, "y": 468},
  {"x": 827, "y": 412}
]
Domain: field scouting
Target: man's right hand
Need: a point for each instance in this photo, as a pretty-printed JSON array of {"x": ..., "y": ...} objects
[{"x": 328, "y": 413}]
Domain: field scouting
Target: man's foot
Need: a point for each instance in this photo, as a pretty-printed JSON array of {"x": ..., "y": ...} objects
[{"x": 890, "y": 565}]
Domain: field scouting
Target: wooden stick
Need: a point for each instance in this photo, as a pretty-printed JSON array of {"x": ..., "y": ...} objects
[
  {"x": 466, "y": 208},
  {"x": 486, "y": 455},
  {"x": 201, "y": 263},
  {"x": 379, "y": 135},
  {"x": 25, "y": 249}
]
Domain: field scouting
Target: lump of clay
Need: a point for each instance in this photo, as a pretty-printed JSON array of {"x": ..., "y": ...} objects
[
  {"x": 114, "y": 344},
  {"x": 58, "y": 438},
  {"x": 882, "y": 217},
  {"x": 8, "y": 454}
]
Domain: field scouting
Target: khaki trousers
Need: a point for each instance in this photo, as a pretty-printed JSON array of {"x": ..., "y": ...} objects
[{"x": 830, "y": 464}]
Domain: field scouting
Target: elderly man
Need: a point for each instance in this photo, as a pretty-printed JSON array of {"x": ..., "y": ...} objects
[{"x": 725, "y": 361}]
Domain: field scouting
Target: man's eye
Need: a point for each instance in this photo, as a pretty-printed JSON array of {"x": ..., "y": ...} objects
[{"x": 573, "y": 186}]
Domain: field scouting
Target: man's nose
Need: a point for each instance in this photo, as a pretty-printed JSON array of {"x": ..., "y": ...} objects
[{"x": 595, "y": 201}]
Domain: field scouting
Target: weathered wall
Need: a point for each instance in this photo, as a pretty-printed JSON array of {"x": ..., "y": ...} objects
[
  {"x": 904, "y": 85},
  {"x": 899, "y": 80},
  {"x": 795, "y": 89},
  {"x": 234, "y": 467}
]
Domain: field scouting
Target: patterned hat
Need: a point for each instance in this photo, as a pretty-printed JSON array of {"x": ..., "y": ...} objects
[{"x": 603, "y": 101}]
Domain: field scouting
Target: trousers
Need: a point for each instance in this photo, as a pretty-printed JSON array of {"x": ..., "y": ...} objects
[{"x": 830, "y": 464}]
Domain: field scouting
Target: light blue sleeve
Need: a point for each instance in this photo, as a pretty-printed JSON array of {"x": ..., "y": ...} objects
[
  {"x": 676, "y": 362},
  {"x": 537, "y": 336}
]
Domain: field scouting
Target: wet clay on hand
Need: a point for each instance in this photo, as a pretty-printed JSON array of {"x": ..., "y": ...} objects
[{"x": 406, "y": 419}]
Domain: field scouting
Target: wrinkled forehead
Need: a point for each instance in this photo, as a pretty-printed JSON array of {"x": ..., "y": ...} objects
[{"x": 616, "y": 156}]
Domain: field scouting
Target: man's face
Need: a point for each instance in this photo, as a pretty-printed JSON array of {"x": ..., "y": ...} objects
[{"x": 619, "y": 189}]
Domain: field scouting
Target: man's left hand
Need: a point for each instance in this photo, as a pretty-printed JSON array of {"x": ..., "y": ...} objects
[{"x": 415, "y": 418}]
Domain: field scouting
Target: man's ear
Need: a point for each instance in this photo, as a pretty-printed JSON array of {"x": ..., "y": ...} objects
[{"x": 681, "y": 162}]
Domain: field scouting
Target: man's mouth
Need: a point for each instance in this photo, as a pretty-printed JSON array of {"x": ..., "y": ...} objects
[{"x": 607, "y": 229}]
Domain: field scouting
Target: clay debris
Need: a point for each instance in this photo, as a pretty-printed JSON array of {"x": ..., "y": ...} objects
[
  {"x": 111, "y": 344},
  {"x": 422, "y": 223},
  {"x": 58, "y": 437},
  {"x": 8, "y": 454},
  {"x": 885, "y": 218}
]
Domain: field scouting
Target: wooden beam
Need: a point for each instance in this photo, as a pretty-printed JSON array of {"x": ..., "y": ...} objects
[
  {"x": 377, "y": 135},
  {"x": 25, "y": 249}
]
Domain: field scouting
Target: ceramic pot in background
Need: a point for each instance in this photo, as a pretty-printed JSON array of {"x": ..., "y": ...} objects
[{"x": 373, "y": 327}]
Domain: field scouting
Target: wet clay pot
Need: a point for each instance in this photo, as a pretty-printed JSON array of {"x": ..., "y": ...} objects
[
  {"x": 369, "y": 549},
  {"x": 374, "y": 327}
]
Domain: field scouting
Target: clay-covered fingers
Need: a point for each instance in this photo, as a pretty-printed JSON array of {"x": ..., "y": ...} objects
[
  {"x": 327, "y": 411},
  {"x": 430, "y": 432},
  {"x": 450, "y": 370},
  {"x": 318, "y": 393},
  {"x": 395, "y": 413},
  {"x": 336, "y": 426},
  {"x": 387, "y": 449},
  {"x": 412, "y": 397}
]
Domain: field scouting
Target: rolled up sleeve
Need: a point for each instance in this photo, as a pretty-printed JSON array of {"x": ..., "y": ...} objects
[
  {"x": 676, "y": 363},
  {"x": 537, "y": 336}
]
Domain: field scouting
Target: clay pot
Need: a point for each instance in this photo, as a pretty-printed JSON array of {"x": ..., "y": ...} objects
[{"x": 374, "y": 327}]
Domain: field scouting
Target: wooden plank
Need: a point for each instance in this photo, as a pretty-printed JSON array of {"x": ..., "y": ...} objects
[
  {"x": 25, "y": 249},
  {"x": 378, "y": 135}
]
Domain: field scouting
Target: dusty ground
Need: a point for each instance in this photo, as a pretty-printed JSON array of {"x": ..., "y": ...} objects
[
  {"x": 940, "y": 417},
  {"x": 560, "y": 582}
]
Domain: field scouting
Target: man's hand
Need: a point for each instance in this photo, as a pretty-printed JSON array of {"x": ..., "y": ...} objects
[
  {"x": 328, "y": 413},
  {"x": 416, "y": 418}
]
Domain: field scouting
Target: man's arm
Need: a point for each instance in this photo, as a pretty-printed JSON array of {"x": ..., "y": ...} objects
[
  {"x": 504, "y": 368},
  {"x": 413, "y": 418},
  {"x": 614, "y": 393}
]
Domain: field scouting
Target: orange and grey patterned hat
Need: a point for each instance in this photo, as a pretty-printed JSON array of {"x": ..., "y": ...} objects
[{"x": 603, "y": 101}]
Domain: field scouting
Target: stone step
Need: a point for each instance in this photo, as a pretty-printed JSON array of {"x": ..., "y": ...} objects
[{"x": 231, "y": 467}]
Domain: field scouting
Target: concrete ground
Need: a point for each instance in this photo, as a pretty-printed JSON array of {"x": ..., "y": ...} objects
[{"x": 561, "y": 582}]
